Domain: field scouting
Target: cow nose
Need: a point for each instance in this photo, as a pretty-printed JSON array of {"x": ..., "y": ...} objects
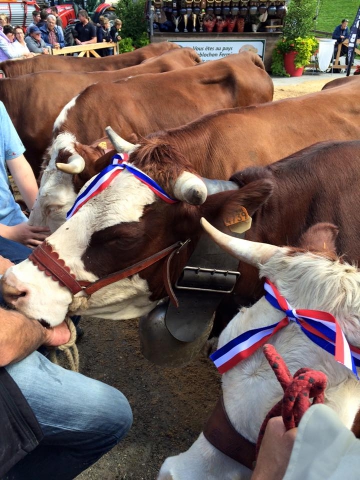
[{"x": 12, "y": 294}]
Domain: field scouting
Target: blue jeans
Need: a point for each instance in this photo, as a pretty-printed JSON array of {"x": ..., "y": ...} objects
[
  {"x": 14, "y": 251},
  {"x": 81, "y": 419}
]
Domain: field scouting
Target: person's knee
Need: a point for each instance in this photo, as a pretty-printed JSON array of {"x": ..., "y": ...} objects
[{"x": 120, "y": 417}]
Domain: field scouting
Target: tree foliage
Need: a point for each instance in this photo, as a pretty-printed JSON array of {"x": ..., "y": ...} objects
[
  {"x": 134, "y": 24},
  {"x": 299, "y": 21}
]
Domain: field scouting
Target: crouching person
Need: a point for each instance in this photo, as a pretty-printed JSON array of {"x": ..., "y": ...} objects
[{"x": 55, "y": 422}]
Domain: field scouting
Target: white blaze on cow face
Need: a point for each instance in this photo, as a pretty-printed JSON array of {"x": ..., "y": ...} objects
[
  {"x": 56, "y": 193},
  {"x": 123, "y": 201}
]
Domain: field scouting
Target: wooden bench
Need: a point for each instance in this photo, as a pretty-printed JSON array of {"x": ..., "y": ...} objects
[{"x": 86, "y": 50}]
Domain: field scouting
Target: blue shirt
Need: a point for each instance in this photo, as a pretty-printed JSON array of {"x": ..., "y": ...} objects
[{"x": 10, "y": 147}]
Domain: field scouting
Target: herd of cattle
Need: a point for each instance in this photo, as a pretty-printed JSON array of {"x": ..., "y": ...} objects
[{"x": 294, "y": 165}]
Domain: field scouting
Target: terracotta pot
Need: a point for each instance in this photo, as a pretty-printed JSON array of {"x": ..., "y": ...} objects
[{"x": 289, "y": 65}]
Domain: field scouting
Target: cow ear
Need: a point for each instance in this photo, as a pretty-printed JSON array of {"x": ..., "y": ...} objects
[
  {"x": 320, "y": 237},
  {"x": 226, "y": 205}
]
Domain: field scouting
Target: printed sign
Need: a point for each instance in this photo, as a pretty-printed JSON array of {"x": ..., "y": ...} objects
[{"x": 215, "y": 49}]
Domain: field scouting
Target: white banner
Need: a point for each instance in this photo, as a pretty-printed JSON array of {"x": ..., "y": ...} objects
[{"x": 215, "y": 49}]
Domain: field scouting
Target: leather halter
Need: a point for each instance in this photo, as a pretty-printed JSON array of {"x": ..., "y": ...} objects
[
  {"x": 48, "y": 261},
  {"x": 220, "y": 432}
]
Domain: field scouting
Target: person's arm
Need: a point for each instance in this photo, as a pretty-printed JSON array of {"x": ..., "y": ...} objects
[
  {"x": 20, "y": 336},
  {"x": 275, "y": 451},
  {"x": 24, "y": 178},
  {"x": 337, "y": 34},
  {"x": 8, "y": 49}
]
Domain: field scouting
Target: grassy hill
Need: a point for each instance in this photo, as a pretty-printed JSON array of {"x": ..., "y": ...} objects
[{"x": 331, "y": 12}]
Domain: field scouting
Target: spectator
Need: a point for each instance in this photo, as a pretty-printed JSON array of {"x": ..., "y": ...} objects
[
  {"x": 52, "y": 34},
  {"x": 320, "y": 448},
  {"x": 43, "y": 17},
  {"x": 341, "y": 34},
  {"x": 55, "y": 423},
  {"x": 20, "y": 44},
  {"x": 36, "y": 20},
  {"x": 106, "y": 37},
  {"x": 4, "y": 20},
  {"x": 13, "y": 223},
  {"x": 85, "y": 29},
  {"x": 34, "y": 41},
  {"x": 8, "y": 50},
  {"x": 115, "y": 30},
  {"x": 55, "y": 12}
]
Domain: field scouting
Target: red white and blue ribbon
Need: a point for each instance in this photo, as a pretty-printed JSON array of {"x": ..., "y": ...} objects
[
  {"x": 320, "y": 327},
  {"x": 107, "y": 175}
]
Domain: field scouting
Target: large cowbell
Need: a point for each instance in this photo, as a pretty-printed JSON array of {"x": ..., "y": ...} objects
[{"x": 171, "y": 336}]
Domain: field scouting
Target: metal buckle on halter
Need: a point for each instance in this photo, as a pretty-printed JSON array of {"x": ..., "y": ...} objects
[{"x": 207, "y": 280}]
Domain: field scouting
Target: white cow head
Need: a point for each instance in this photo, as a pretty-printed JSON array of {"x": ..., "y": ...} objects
[{"x": 250, "y": 389}]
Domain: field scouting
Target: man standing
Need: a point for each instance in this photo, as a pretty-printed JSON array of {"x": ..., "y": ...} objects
[
  {"x": 34, "y": 41},
  {"x": 52, "y": 34},
  {"x": 86, "y": 30},
  {"x": 36, "y": 20},
  {"x": 55, "y": 12}
]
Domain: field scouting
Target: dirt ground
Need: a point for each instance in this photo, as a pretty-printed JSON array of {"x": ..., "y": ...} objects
[{"x": 169, "y": 405}]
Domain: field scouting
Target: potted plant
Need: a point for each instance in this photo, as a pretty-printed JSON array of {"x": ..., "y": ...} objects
[{"x": 294, "y": 50}]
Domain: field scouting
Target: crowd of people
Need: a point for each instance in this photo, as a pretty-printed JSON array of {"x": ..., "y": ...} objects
[{"x": 46, "y": 32}]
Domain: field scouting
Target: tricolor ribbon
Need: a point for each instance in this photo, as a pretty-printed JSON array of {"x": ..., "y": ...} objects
[
  {"x": 107, "y": 175},
  {"x": 320, "y": 327}
]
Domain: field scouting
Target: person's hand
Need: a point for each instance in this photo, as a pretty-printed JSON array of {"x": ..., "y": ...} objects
[
  {"x": 118, "y": 38},
  {"x": 45, "y": 51},
  {"x": 4, "y": 265},
  {"x": 77, "y": 41},
  {"x": 57, "y": 335},
  {"x": 275, "y": 451},
  {"x": 57, "y": 45},
  {"x": 28, "y": 235}
]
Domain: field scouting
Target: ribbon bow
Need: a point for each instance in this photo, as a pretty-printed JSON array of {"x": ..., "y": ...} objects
[
  {"x": 320, "y": 327},
  {"x": 107, "y": 175}
]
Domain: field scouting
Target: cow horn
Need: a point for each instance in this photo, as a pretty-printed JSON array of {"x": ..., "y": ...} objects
[
  {"x": 252, "y": 253},
  {"x": 120, "y": 145},
  {"x": 190, "y": 189},
  {"x": 216, "y": 186},
  {"x": 76, "y": 164}
]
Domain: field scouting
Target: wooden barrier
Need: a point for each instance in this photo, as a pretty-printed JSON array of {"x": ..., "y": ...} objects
[
  {"x": 86, "y": 50},
  {"x": 337, "y": 58}
]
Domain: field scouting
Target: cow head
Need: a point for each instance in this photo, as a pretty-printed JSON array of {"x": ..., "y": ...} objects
[
  {"x": 121, "y": 226},
  {"x": 314, "y": 279},
  {"x": 69, "y": 167}
]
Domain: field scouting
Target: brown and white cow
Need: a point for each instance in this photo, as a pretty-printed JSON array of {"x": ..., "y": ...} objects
[
  {"x": 127, "y": 223},
  {"x": 218, "y": 144},
  {"x": 43, "y": 63},
  {"x": 34, "y": 115},
  {"x": 140, "y": 105},
  {"x": 315, "y": 280}
]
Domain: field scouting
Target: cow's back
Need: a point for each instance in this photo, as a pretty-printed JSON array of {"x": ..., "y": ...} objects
[
  {"x": 344, "y": 81},
  {"x": 148, "y": 103},
  {"x": 84, "y": 64},
  {"x": 51, "y": 91}
]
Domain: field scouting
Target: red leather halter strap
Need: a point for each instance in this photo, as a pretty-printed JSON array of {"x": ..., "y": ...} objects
[{"x": 49, "y": 262}]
